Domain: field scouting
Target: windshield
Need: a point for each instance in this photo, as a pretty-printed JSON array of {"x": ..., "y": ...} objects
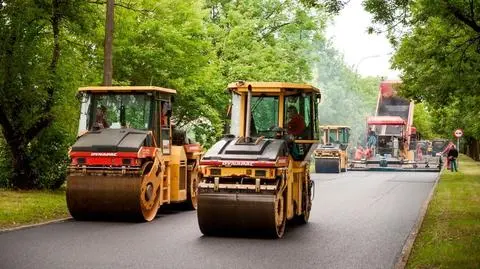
[
  {"x": 264, "y": 115},
  {"x": 332, "y": 137},
  {"x": 343, "y": 136},
  {"x": 395, "y": 130},
  {"x": 120, "y": 111}
]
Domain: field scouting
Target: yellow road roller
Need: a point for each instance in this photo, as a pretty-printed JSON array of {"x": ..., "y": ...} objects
[
  {"x": 257, "y": 177},
  {"x": 331, "y": 156},
  {"x": 128, "y": 160}
]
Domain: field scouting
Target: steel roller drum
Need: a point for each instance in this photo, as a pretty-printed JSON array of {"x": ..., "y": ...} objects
[
  {"x": 240, "y": 213},
  {"x": 132, "y": 198},
  {"x": 327, "y": 165}
]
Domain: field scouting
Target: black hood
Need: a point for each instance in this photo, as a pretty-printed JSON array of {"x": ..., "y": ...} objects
[
  {"x": 231, "y": 149},
  {"x": 111, "y": 140}
]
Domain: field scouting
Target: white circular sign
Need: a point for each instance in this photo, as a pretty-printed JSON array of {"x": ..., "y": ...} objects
[{"x": 458, "y": 133}]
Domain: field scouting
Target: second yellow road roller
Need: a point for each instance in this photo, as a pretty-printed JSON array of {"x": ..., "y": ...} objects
[
  {"x": 128, "y": 159},
  {"x": 257, "y": 177},
  {"x": 331, "y": 156}
]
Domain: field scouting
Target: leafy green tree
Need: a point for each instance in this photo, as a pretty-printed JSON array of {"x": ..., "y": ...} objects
[
  {"x": 50, "y": 47},
  {"x": 264, "y": 40},
  {"x": 36, "y": 40},
  {"x": 166, "y": 43},
  {"x": 423, "y": 121}
]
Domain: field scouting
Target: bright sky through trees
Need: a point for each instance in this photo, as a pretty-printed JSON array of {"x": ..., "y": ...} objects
[{"x": 368, "y": 53}]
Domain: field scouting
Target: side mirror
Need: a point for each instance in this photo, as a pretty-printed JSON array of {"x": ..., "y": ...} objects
[
  {"x": 83, "y": 97},
  {"x": 80, "y": 96}
]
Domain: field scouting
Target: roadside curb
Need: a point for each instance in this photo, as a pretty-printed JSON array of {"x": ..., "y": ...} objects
[
  {"x": 34, "y": 225},
  {"x": 407, "y": 247}
]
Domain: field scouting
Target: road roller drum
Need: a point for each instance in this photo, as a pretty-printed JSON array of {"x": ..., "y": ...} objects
[
  {"x": 112, "y": 197},
  {"x": 327, "y": 165},
  {"x": 239, "y": 213}
]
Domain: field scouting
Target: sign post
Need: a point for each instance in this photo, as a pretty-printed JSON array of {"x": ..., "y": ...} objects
[{"x": 458, "y": 133}]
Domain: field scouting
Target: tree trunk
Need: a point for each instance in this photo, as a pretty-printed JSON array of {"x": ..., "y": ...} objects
[
  {"x": 108, "y": 46},
  {"x": 474, "y": 149},
  {"x": 23, "y": 176}
]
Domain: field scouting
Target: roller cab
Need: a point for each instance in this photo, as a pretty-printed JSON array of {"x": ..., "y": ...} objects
[
  {"x": 331, "y": 155},
  {"x": 128, "y": 159},
  {"x": 256, "y": 178}
]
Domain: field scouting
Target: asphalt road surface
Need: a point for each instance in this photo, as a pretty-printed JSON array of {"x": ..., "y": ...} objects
[{"x": 358, "y": 220}]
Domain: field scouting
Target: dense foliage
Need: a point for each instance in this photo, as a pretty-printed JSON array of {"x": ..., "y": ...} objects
[
  {"x": 49, "y": 48},
  {"x": 41, "y": 64}
]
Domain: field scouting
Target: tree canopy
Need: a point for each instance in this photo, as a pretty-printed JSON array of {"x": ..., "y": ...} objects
[{"x": 50, "y": 47}]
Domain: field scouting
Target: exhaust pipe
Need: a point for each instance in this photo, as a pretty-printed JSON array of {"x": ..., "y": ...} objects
[{"x": 249, "y": 114}]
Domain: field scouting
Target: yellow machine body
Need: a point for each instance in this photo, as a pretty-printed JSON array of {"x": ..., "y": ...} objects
[
  {"x": 257, "y": 177},
  {"x": 128, "y": 160},
  {"x": 331, "y": 156}
]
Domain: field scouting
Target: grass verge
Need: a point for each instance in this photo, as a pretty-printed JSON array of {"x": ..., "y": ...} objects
[
  {"x": 19, "y": 208},
  {"x": 450, "y": 232}
]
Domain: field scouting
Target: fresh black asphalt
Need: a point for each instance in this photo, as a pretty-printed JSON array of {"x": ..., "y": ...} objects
[{"x": 358, "y": 220}]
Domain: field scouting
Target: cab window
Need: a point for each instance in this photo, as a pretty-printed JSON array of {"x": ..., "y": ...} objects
[{"x": 298, "y": 116}]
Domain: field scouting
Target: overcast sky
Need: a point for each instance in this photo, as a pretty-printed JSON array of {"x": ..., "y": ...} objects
[{"x": 370, "y": 54}]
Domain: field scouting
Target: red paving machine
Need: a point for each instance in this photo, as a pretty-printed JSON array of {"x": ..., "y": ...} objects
[{"x": 390, "y": 140}]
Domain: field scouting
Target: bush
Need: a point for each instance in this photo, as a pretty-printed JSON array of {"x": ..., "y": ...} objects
[
  {"x": 49, "y": 157},
  {"x": 5, "y": 167}
]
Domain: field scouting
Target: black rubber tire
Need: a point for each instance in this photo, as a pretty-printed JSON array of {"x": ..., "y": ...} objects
[
  {"x": 306, "y": 196},
  {"x": 192, "y": 204}
]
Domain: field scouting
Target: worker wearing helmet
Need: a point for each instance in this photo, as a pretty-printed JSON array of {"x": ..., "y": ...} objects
[{"x": 296, "y": 123}]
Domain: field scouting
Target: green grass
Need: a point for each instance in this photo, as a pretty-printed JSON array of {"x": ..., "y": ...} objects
[
  {"x": 28, "y": 207},
  {"x": 450, "y": 233}
]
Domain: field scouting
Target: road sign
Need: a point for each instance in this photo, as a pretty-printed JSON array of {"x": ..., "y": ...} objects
[{"x": 458, "y": 133}]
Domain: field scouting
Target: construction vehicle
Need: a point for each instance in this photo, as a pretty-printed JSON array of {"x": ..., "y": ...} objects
[
  {"x": 438, "y": 146},
  {"x": 257, "y": 177},
  {"x": 128, "y": 160},
  {"x": 390, "y": 136},
  {"x": 331, "y": 156}
]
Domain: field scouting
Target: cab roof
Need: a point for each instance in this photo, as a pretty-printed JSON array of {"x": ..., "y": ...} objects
[
  {"x": 126, "y": 89},
  {"x": 271, "y": 87}
]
